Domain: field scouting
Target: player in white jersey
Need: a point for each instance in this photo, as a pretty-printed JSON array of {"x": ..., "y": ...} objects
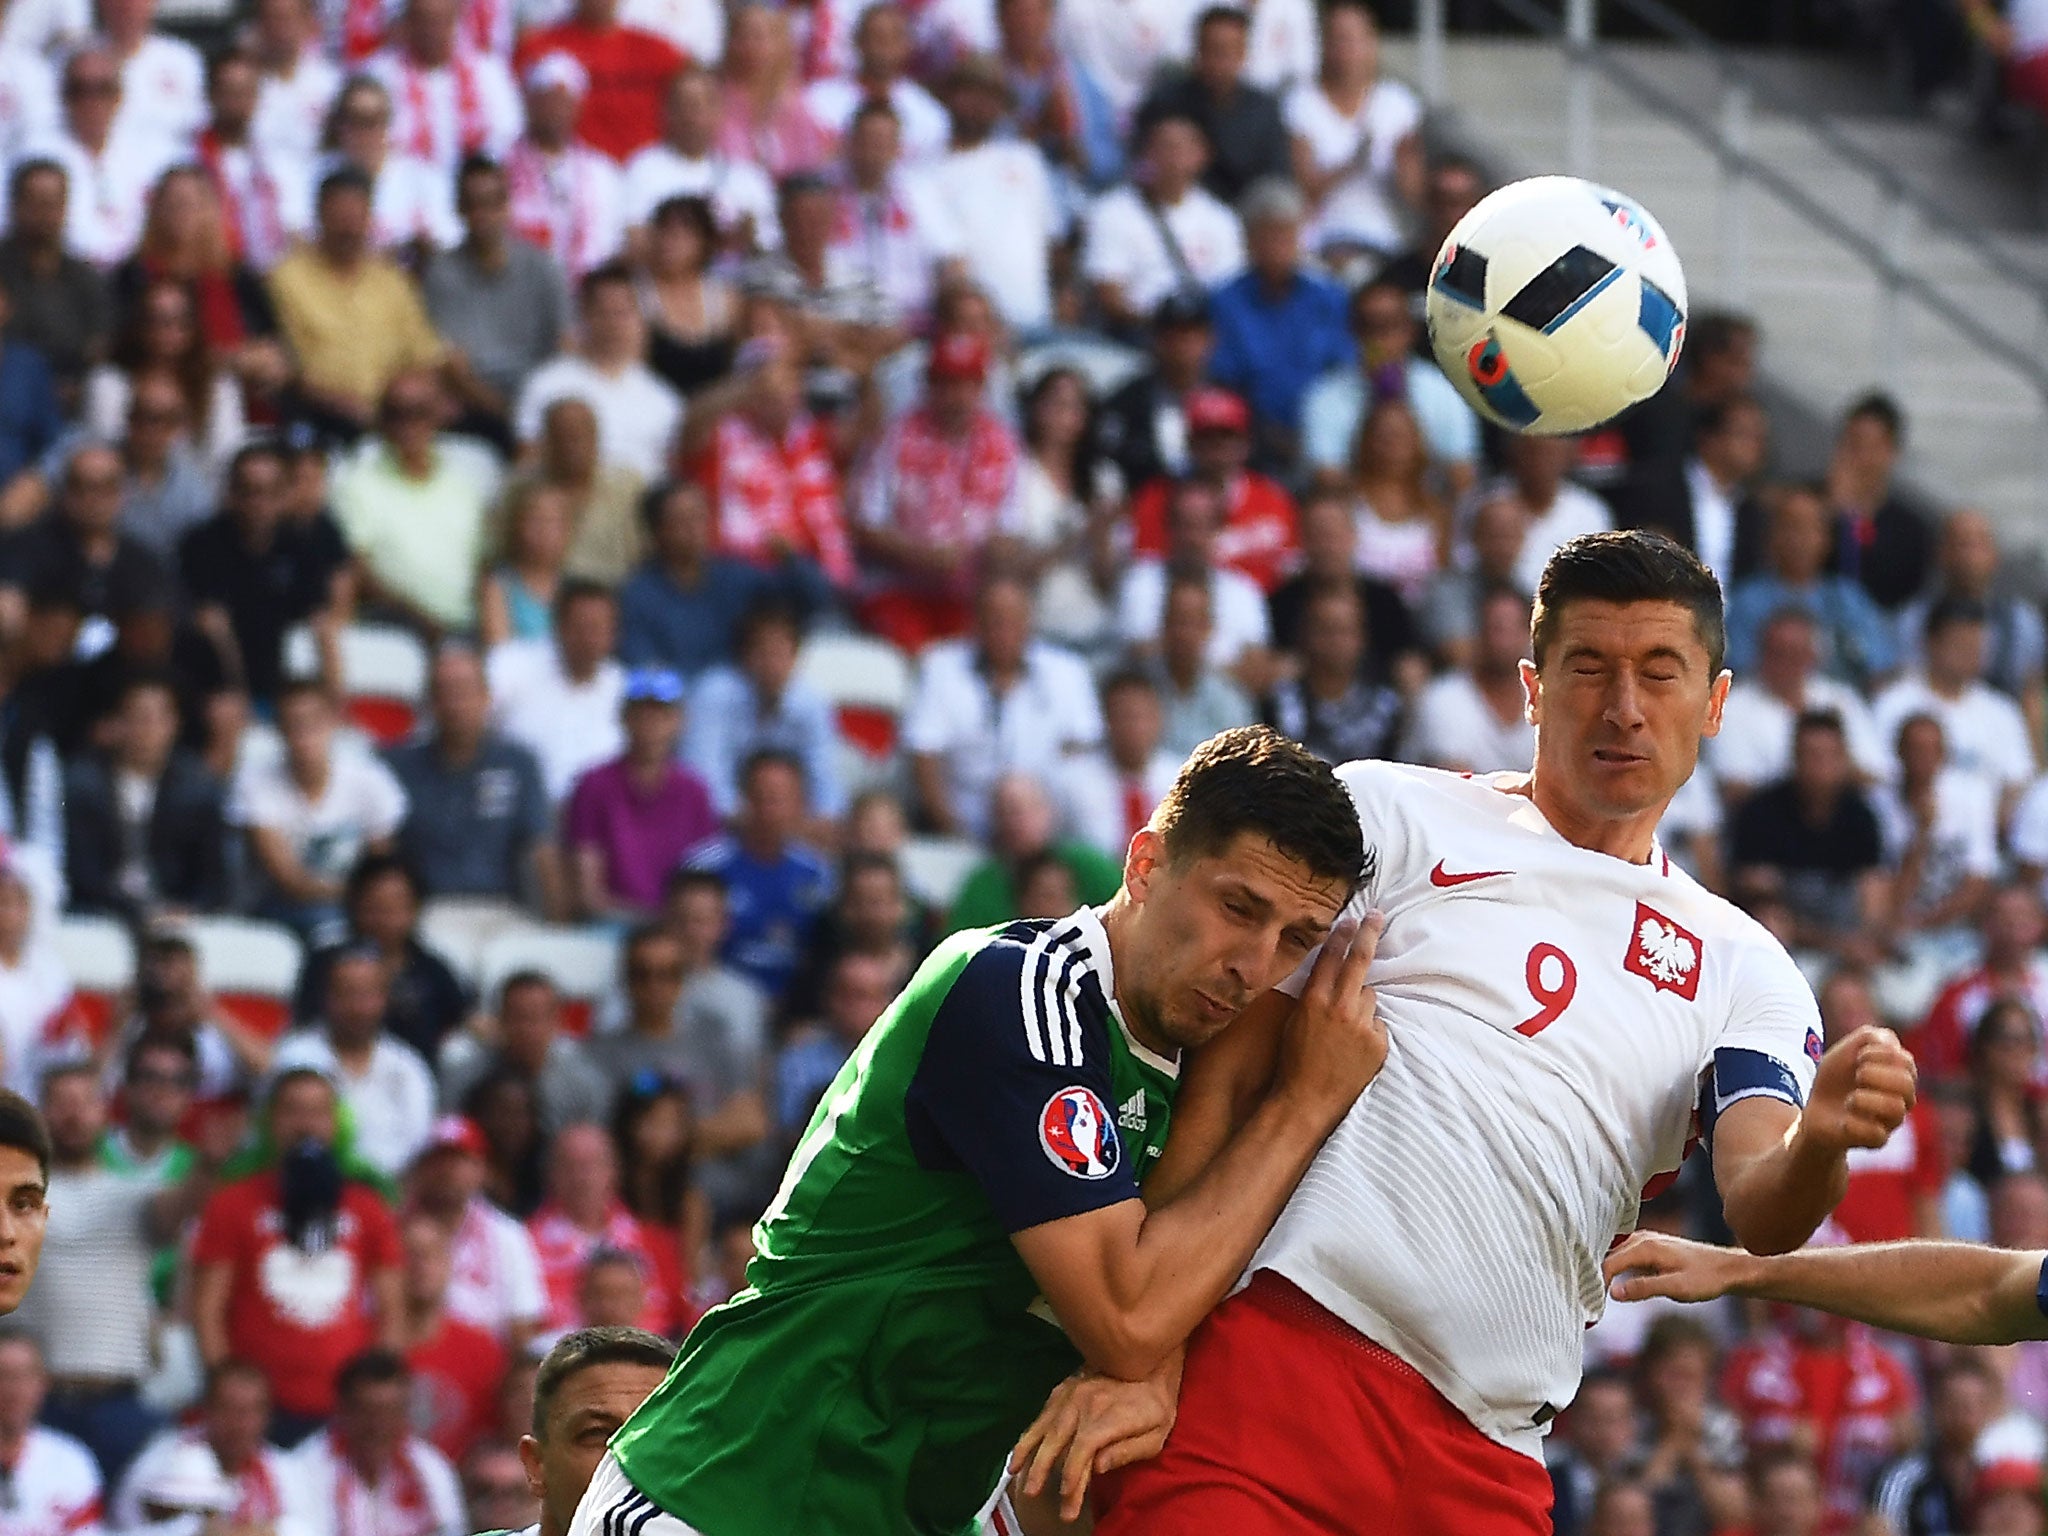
[{"x": 1567, "y": 1010}]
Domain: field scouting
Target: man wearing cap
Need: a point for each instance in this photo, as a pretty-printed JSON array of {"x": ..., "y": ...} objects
[
  {"x": 686, "y": 162},
  {"x": 496, "y": 1273},
  {"x": 940, "y": 487},
  {"x": 566, "y": 198},
  {"x": 629, "y": 820},
  {"x": 628, "y": 70},
  {"x": 1259, "y": 538},
  {"x": 1278, "y": 327},
  {"x": 1143, "y": 427}
]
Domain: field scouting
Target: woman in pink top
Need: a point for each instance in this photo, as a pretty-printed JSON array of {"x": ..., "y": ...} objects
[{"x": 766, "y": 120}]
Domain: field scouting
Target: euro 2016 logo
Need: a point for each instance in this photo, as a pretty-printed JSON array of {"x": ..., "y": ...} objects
[{"x": 1078, "y": 1135}]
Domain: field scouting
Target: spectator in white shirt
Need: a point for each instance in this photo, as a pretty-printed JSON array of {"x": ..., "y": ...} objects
[
  {"x": 387, "y": 1086},
  {"x": 411, "y": 203},
  {"x": 52, "y": 1480},
  {"x": 311, "y": 811},
  {"x": 28, "y": 98},
  {"x": 1111, "y": 792},
  {"x": 997, "y": 701},
  {"x": 559, "y": 697},
  {"x": 446, "y": 102},
  {"x": 892, "y": 234},
  {"x": 566, "y": 197},
  {"x": 1754, "y": 747},
  {"x": 299, "y": 81},
  {"x": 686, "y": 162},
  {"x": 1161, "y": 233},
  {"x": 367, "y": 1473},
  {"x": 637, "y": 414},
  {"x": 233, "y": 1415},
  {"x": 497, "y": 1284},
  {"x": 1357, "y": 140},
  {"x": 1122, "y": 46},
  {"x": 109, "y": 170},
  {"x": 1474, "y": 719},
  {"x": 1557, "y": 509},
  {"x": 1000, "y": 196},
  {"x": 1940, "y": 828},
  {"x": 1241, "y": 639},
  {"x": 882, "y": 46},
  {"x": 1986, "y": 732},
  {"x": 163, "y": 79},
  {"x": 1967, "y": 564}
]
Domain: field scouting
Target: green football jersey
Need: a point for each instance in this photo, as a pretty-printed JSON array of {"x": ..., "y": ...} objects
[{"x": 890, "y": 1345}]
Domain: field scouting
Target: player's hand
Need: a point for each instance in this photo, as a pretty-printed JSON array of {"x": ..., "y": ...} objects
[
  {"x": 1094, "y": 1424},
  {"x": 1335, "y": 1042},
  {"x": 1862, "y": 1092},
  {"x": 1657, "y": 1264}
]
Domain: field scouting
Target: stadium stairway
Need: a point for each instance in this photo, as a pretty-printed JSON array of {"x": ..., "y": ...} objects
[{"x": 1978, "y": 427}]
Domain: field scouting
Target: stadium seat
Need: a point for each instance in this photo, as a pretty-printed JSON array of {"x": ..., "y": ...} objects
[
  {"x": 383, "y": 676},
  {"x": 100, "y": 955},
  {"x": 868, "y": 681},
  {"x": 583, "y": 962},
  {"x": 458, "y": 927},
  {"x": 934, "y": 868},
  {"x": 250, "y": 967}
]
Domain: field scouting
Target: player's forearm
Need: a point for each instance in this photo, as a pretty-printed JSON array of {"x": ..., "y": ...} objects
[
  {"x": 1781, "y": 1196},
  {"x": 1959, "y": 1293}
]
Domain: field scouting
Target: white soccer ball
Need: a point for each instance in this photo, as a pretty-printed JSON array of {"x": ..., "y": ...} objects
[{"x": 1556, "y": 304}]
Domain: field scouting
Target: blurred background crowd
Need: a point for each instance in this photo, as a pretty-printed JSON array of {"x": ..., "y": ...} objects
[{"x": 549, "y": 550}]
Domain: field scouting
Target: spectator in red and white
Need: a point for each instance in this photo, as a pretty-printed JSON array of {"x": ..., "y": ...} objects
[
  {"x": 1357, "y": 141},
  {"x": 1474, "y": 719},
  {"x": 1987, "y": 734},
  {"x": 259, "y": 189},
  {"x": 386, "y": 1084},
  {"x": 109, "y": 168},
  {"x": 998, "y": 701},
  {"x": 1122, "y": 47},
  {"x": 298, "y": 81},
  {"x": 1241, "y": 638},
  {"x": 39, "y": 1018},
  {"x": 54, "y": 1481},
  {"x": 763, "y": 120},
  {"x": 767, "y": 466},
  {"x": 1940, "y": 827},
  {"x": 1894, "y": 1191},
  {"x": 367, "y": 1473},
  {"x": 1161, "y": 231},
  {"x": 637, "y": 414},
  {"x": 890, "y": 233},
  {"x": 1259, "y": 538},
  {"x": 496, "y": 1273},
  {"x": 163, "y": 78},
  {"x": 629, "y": 821},
  {"x": 411, "y": 203},
  {"x": 2011, "y": 969},
  {"x": 559, "y": 697},
  {"x": 295, "y": 1267},
  {"x": 941, "y": 486},
  {"x": 2012, "y": 1462},
  {"x": 1754, "y": 746},
  {"x": 456, "y": 1365},
  {"x": 882, "y": 51},
  {"x": 584, "y": 1213},
  {"x": 1557, "y": 509},
  {"x": 446, "y": 101},
  {"x": 28, "y": 97},
  {"x": 1110, "y": 793},
  {"x": 234, "y": 1412},
  {"x": 566, "y": 197},
  {"x": 629, "y": 71},
  {"x": 687, "y": 162},
  {"x": 999, "y": 195}
]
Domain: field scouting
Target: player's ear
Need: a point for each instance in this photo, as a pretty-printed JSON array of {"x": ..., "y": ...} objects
[
  {"x": 529, "y": 1458},
  {"x": 1717, "y": 700},
  {"x": 1532, "y": 689},
  {"x": 1141, "y": 862}
]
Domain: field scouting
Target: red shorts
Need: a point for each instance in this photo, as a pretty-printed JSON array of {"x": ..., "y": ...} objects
[{"x": 1293, "y": 1423}]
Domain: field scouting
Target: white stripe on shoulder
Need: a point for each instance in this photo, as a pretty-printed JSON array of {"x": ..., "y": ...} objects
[
  {"x": 1065, "y": 961},
  {"x": 1043, "y": 1046}
]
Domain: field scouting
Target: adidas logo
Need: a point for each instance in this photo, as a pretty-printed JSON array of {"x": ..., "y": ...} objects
[{"x": 1131, "y": 1117}]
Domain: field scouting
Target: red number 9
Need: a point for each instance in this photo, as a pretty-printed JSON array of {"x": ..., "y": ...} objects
[{"x": 1554, "y": 999}]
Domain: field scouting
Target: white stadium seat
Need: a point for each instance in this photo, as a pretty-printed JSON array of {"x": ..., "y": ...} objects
[
  {"x": 934, "y": 868},
  {"x": 583, "y": 963}
]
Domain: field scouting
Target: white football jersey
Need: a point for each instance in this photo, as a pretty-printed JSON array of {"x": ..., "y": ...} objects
[{"x": 1554, "y": 1017}]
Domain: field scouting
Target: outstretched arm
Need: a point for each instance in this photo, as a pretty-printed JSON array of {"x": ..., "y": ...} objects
[{"x": 1959, "y": 1293}]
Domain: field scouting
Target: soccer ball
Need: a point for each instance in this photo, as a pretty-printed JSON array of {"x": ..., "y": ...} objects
[{"x": 1556, "y": 304}]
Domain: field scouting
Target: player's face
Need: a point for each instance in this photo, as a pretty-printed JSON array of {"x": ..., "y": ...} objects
[
  {"x": 24, "y": 1216},
  {"x": 587, "y": 1411},
  {"x": 1215, "y": 931},
  {"x": 1621, "y": 702}
]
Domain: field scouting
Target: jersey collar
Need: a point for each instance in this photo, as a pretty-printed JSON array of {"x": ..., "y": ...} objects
[{"x": 1093, "y": 938}]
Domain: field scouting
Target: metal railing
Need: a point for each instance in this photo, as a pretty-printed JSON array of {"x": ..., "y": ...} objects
[{"x": 1726, "y": 135}]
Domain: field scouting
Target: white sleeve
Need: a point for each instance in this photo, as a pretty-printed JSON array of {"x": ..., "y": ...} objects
[
  {"x": 926, "y": 727},
  {"x": 1770, "y": 1044},
  {"x": 2030, "y": 824},
  {"x": 1140, "y": 604},
  {"x": 1978, "y": 813},
  {"x": 1106, "y": 255},
  {"x": 383, "y": 798},
  {"x": 526, "y": 1298}
]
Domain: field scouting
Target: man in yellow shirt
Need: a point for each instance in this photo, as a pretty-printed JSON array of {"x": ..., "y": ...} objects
[{"x": 353, "y": 317}]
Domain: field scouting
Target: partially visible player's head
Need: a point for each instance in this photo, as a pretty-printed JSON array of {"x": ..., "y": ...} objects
[
  {"x": 1240, "y": 873},
  {"x": 588, "y": 1386},
  {"x": 1628, "y": 641},
  {"x": 24, "y": 1183}
]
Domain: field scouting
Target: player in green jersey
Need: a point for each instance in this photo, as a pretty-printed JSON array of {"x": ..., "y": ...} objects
[{"x": 961, "y": 1226}]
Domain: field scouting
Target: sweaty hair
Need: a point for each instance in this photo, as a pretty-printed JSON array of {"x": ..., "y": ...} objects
[
  {"x": 22, "y": 1127},
  {"x": 587, "y": 1347},
  {"x": 1629, "y": 565},
  {"x": 1253, "y": 779}
]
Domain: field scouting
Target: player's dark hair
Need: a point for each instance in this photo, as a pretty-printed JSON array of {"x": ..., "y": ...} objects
[
  {"x": 371, "y": 1368},
  {"x": 22, "y": 1127},
  {"x": 1253, "y": 779},
  {"x": 1881, "y": 408},
  {"x": 586, "y": 1347},
  {"x": 1629, "y": 565}
]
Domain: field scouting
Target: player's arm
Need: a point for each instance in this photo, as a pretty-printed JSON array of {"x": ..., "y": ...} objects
[
  {"x": 1130, "y": 1281},
  {"x": 1959, "y": 1293},
  {"x": 1221, "y": 1085},
  {"x": 1782, "y": 1167}
]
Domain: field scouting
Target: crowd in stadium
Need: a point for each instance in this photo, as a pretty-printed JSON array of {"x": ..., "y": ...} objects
[{"x": 617, "y": 351}]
